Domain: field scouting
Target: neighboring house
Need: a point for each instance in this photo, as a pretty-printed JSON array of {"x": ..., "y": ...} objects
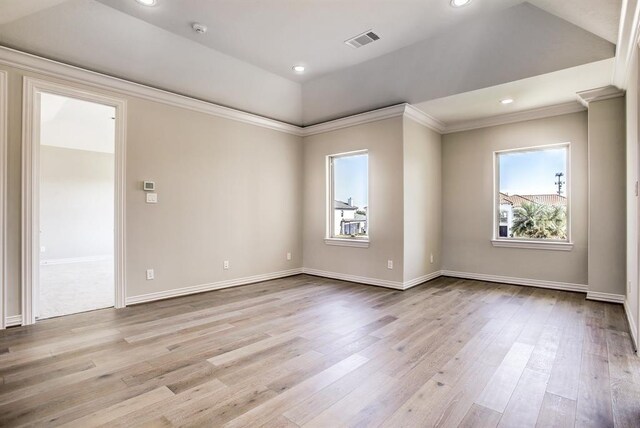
[
  {"x": 509, "y": 202},
  {"x": 347, "y": 220}
]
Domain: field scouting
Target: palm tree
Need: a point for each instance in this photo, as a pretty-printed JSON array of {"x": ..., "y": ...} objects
[
  {"x": 557, "y": 221},
  {"x": 525, "y": 220},
  {"x": 539, "y": 221}
]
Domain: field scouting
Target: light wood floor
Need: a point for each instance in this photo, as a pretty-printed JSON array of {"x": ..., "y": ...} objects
[{"x": 306, "y": 351}]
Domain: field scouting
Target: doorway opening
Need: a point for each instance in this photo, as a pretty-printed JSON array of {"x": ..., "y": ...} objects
[
  {"x": 73, "y": 222},
  {"x": 77, "y": 171}
]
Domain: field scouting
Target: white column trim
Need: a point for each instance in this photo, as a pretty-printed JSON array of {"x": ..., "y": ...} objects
[
  {"x": 599, "y": 94},
  {"x": 32, "y": 88},
  {"x": 3, "y": 195},
  {"x": 627, "y": 38}
]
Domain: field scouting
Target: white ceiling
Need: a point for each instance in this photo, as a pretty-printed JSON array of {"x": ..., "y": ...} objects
[
  {"x": 11, "y": 10},
  {"x": 428, "y": 49},
  {"x": 276, "y": 34},
  {"x": 535, "y": 92},
  {"x": 91, "y": 35},
  {"x": 512, "y": 44},
  {"x": 75, "y": 124},
  {"x": 600, "y": 17}
]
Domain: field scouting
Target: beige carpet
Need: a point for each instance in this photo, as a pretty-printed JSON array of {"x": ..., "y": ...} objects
[{"x": 75, "y": 287}]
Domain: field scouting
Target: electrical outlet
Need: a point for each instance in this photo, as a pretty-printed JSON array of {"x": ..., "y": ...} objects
[
  {"x": 43, "y": 249},
  {"x": 431, "y": 258},
  {"x": 151, "y": 198},
  {"x": 150, "y": 274},
  {"x": 225, "y": 264},
  {"x": 389, "y": 264},
  {"x": 288, "y": 256}
]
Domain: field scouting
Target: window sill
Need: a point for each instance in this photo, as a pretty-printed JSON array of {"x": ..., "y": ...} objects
[
  {"x": 532, "y": 245},
  {"x": 358, "y": 243}
]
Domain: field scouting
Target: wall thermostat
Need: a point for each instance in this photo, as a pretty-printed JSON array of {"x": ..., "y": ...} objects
[{"x": 149, "y": 186}]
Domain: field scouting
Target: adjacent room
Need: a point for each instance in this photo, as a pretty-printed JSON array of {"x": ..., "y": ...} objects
[{"x": 319, "y": 213}]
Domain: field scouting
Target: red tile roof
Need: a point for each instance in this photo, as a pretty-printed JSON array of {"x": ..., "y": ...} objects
[{"x": 545, "y": 199}]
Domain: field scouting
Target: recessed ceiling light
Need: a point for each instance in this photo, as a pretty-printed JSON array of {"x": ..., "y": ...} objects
[
  {"x": 506, "y": 101},
  {"x": 298, "y": 68},
  {"x": 460, "y": 3},
  {"x": 147, "y": 2}
]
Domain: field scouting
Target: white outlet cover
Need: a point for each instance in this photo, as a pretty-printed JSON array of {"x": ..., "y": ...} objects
[
  {"x": 225, "y": 264},
  {"x": 389, "y": 264},
  {"x": 150, "y": 274},
  {"x": 152, "y": 198},
  {"x": 288, "y": 256}
]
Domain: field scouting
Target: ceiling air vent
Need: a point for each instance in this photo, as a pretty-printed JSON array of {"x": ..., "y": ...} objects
[{"x": 362, "y": 39}]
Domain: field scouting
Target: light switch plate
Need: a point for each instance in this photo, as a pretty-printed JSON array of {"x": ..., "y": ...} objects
[
  {"x": 152, "y": 198},
  {"x": 148, "y": 186}
]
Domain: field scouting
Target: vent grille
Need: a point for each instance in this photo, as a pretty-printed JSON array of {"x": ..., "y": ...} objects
[{"x": 362, "y": 39}]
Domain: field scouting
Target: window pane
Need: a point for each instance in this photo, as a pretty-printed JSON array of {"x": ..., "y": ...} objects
[
  {"x": 533, "y": 201},
  {"x": 350, "y": 192}
]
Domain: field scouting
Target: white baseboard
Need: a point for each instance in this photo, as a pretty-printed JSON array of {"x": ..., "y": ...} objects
[
  {"x": 554, "y": 285},
  {"x": 76, "y": 260},
  {"x": 396, "y": 285},
  {"x": 422, "y": 279},
  {"x": 632, "y": 326},
  {"x": 160, "y": 295},
  {"x": 606, "y": 297},
  {"x": 13, "y": 321}
]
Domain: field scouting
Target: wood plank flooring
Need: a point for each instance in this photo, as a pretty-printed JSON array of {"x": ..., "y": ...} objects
[{"x": 312, "y": 352}]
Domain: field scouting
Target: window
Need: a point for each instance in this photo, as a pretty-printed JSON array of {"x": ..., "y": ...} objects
[
  {"x": 348, "y": 206},
  {"x": 532, "y": 195}
]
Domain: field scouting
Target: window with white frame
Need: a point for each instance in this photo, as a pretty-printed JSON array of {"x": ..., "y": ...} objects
[
  {"x": 532, "y": 198},
  {"x": 348, "y": 204}
]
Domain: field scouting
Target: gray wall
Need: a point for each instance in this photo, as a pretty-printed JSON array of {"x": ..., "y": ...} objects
[
  {"x": 468, "y": 186},
  {"x": 607, "y": 196},
  {"x": 632, "y": 137},
  {"x": 76, "y": 203},
  {"x": 383, "y": 139},
  {"x": 233, "y": 191},
  {"x": 422, "y": 200},
  {"x": 227, "y": 191}
]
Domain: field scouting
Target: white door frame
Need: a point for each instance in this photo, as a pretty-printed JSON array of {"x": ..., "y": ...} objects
[
  {"x": 3, "y": 195},
  {"x": 32, "y": 88}
]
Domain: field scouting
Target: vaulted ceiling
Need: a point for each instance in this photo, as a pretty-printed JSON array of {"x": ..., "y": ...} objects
[{"x": 428, "y": 51}]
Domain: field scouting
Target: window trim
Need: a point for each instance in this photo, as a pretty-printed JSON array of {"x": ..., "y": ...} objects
[
  {"x": 330, "y": 239},
  {"x": 530, "y": 243}
]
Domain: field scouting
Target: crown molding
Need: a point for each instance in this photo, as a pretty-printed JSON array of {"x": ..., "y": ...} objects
[
  {"x": 599, "y": 94},
  {"x": 47, "y": 67},
  {"x": 424, "y": 119},
  {"x": 357, "y": 119},
  {"x": 32, "y": 63},
  {"x": 398, "y": 110},
  {"x": 628, "y": 35},
  {"x": 521, "y": 116}
]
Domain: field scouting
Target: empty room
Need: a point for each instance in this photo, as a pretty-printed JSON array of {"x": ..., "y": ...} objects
[{"x": 319, "y": 213}]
